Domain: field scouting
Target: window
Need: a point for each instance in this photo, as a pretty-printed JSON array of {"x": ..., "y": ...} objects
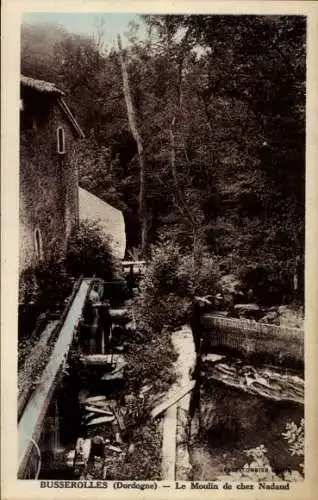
[
  {"x": 60, "y": 141},
  {"x": 38, "y": 244}
]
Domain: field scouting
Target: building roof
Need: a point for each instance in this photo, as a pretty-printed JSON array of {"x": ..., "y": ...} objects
[
  {"x": 40, "y": 85},
  {"x": 110, "y": 219},
  {"x": 50, "y": 88}
]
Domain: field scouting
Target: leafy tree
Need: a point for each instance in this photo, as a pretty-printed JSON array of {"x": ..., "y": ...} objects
[{"x": 220, "y": 102}]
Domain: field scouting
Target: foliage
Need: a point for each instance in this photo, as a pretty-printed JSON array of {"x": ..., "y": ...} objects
[
  {"x": 89, "y": 252},
  {"x": 163, "y": 303},
  {"x": 164, "y": 291},
  {"x": 260, "y": 469},
  {"x": 151, "y": 361},
  {"x": 295, "y": 437},
  {"x": 145, "y": 459},
  {"x": 241, "y": 179},
  {"x": 47, "y": 284},
  {"x": 202, "y": 278}
]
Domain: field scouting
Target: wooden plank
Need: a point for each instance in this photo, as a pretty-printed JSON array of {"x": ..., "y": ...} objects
[
  {"x": 95, "y": 409},
  {"x": 172, "y": 399},
  {"x": 118, "y": 375},
  {"x": 95, "y": 399},
  {"x": 28, "y": 372},
  {"x": 104, "y": 359},
  {"x": 116, "y": 411},
  {"x": 169, "y": 450},
  {"x": 127, "y": 263},
  {"x": 101, "y": 420},
  {"x": 119, "y": 314},
  {"x": 31, "y": 421}
]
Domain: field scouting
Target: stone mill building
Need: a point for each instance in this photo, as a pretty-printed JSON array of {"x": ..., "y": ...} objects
[{"x": 50, "y": 198}]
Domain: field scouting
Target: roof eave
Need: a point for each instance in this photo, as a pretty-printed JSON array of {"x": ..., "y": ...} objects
[{"x": 40, "y": 86}]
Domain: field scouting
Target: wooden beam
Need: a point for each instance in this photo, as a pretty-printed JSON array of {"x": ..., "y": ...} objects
[
  {"x": 31, "y": 422},
  {"x": 172, "y": 399},
  {"x": 104, "y": 359}
]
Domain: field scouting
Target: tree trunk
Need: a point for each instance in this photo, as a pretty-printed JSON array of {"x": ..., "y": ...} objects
[
  {"x": 135, "y": 133},
  {"x": 179, "y": 196}
]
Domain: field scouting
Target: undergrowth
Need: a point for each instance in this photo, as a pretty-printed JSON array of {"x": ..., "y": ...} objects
[{"x": 144, "y": 462}]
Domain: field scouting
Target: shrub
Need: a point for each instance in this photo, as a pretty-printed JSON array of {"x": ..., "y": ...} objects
[
  {"x": 144, "y": 463},
  {"x": 260, "y": 468},
  {"x": 202, "y": 279},
  {"x": 267, "y": 280},
  {"x": 295, "y": 437},
  {"x": 151, "y": 362},
  {"x": 46, "y": 285},
  {"x": 89, "y": 253},
  {"x": 164, "y": 297}
]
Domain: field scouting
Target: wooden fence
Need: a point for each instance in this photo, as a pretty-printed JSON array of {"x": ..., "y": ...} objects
[{"x": 251, "y": 337}]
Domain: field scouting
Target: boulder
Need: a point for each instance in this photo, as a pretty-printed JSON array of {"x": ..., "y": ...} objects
[{"x": 247, "y": 311}]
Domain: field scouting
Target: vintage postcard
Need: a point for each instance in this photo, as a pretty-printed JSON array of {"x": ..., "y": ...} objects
[{"x": 159, "y": 249}]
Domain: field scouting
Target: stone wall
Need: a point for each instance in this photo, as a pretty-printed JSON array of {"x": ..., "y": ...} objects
[{"x": 48, "y": 186}]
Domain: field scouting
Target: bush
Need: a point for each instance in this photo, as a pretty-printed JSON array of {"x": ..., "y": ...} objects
[
  {"x": 151, "y": 361},
  {"x": 268, "y": 282},
  {"x": 295, "y": 437},
  {"x": 89, "y": 253},
  {"x": 202, "y": 279},
  {"x": 165, "y": 297},
  {"x": 46, "y": 285},
  {"x": 144, "y": 463}
]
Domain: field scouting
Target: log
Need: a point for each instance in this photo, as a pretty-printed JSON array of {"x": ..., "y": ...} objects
[{"x": 174, "y": 398}]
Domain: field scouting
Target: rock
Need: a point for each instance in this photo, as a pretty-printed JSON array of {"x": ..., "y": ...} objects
[
  {"x": 118, "y": 439},
  {"x": 104, "y": 473},
  {"x": 82, "y": 451},
  {"x": 70, "y": 458},
  {"x": 114, "y": 448},
  {"x": 212, "y": 357},
  {"x": 247, "y": 307},
  {"x": 131, "y": 448},
  {"x": 247, "y": 310}
]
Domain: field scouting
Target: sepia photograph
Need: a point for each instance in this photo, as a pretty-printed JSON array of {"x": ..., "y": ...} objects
[{"x": 161, "y": 293}]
